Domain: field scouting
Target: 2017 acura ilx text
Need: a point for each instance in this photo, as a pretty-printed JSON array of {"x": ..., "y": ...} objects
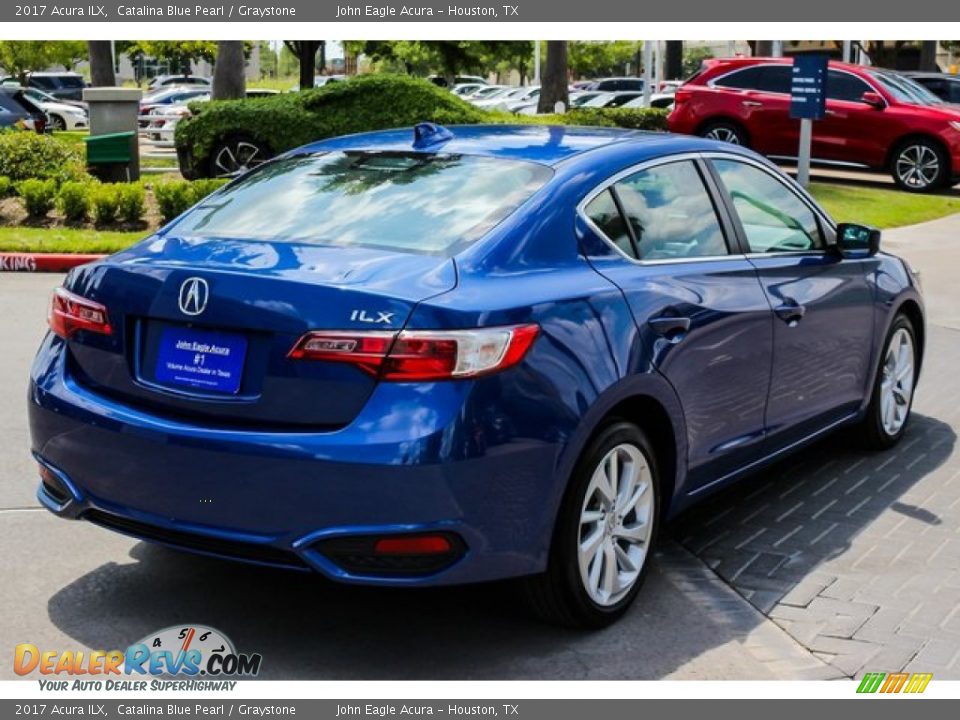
[{"x": 448, "y": 355}]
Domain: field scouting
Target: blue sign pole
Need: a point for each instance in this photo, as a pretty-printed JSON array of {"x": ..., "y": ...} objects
[{"x": 808, "y": 102}]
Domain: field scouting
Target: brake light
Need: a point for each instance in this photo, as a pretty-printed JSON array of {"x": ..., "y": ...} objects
[
  {"x": 419, "y": 355},
  {"x": 70, "y": 312},
  {"x": 680, "y": 97}
]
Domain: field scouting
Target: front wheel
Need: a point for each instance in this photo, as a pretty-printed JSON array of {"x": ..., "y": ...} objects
[
  {"x": 920, "y": 166},
  {"x": 889, "y": 411},
  {"x": 605, "y": 530},
  {"x": 58, "y": 123}
]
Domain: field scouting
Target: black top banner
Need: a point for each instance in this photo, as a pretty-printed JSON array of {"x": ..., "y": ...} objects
[{"x": 328, "y": 11}]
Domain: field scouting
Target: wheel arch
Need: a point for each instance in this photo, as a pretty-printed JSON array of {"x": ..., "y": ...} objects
[
  {"x": 913, "y": 136},
  {"x": 714, "y": 119},
  {"x": 912, "y": 310}
]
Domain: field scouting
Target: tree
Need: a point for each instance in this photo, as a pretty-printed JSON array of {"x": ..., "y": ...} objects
[
  {"x": 67, "y": 53},
  {"x": 19, "y": 57},
  {"x": 101, "y": 63},
  {"x": 693, "y": 59},
  {"x": 306, "y": 53},
  {"x": 229, "y": 82},
  {"x": 268, "y": 60},
  {"x": 554, "y": 85},
  {"x": 178, "y": 54},
  {"x": 928, "y": 56},
  {"x": 595, "y": 59}
]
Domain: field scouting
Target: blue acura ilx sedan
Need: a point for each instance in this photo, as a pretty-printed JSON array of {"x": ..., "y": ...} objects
[{"x": 448, "y": 355}]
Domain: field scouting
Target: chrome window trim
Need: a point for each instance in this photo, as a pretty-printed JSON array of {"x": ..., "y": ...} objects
[
  {"x": 632, "y": 170},
  {"x": 869, "y": 83}
]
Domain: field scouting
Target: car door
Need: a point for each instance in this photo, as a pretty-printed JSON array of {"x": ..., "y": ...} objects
[
  {"x": 822, "y": 304},
  {"x": 703, "y": 318},
  {"x": 763, "y": 107},
  {"x": 852, "y": 131}
]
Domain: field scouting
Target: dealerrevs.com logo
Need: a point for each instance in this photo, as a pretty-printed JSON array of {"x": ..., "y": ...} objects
[
  {"x": 179, "y": 651},
  {"x": 891, "y": 683}
]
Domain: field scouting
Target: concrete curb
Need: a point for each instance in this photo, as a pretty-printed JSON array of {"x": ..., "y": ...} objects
[{"x": 43, "y": 262}]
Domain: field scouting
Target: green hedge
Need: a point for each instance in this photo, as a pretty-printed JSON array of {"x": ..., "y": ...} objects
[
  {"x": 368, "y": 102},
  {"x": 26, "y": 155},
  {"x": 639, "y": 119}
]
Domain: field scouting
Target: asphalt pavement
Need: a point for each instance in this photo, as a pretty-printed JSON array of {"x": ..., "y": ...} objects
[{"x": 735, "y": 592}]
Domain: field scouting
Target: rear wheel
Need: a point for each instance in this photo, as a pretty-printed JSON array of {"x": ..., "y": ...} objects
[
  {"x": 607, "y": 523},
  {"x": 724, "y": 131},
  {"x": 920, "y": 166},
  {"x": 889, "y": 411},
  {"x": 236, "y": 155},
  {"x": 57, "y": 122}
]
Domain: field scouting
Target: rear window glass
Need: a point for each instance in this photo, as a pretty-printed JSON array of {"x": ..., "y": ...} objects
[{"x": 415, "y": 202}]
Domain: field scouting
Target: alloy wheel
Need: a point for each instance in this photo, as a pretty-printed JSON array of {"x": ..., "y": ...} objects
[
  {"x": 237, "y": 157},
  {"x": 616, "y": 521},
  {"x": 723, "y": 134},
  {"x": 896, "y": 385},
  {"x": 918, "y": 166}
]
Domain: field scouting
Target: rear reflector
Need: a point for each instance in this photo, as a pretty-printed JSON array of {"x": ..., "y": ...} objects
[
  {"x": 419, "y": 355},
  {"x": 412, "y": 545},
  {"x": 70, "y": 313}
]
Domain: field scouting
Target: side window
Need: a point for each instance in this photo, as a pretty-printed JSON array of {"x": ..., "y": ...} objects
[
  {"x": 843, "y": 86},
  {"x": 669, "y": 214},
  {"x": 605, "y": 214},
  {"x": 773, "y": 217},
  {"x": 747, "y": 79},
  {"x": 776, "y": 79},
  {"x": 954, "y": 92}
]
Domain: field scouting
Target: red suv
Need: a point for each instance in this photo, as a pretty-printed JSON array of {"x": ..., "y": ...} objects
[{"x": 875, "y": 119}]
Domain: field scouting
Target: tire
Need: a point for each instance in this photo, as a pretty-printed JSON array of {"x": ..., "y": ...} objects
[
  {"x": 57, "y": 123},
  {"x": 576, "y": 590},
  {"x": 920, "y": 165},
  {"x": 236, "y": 155},
  {"x": 879, "y": 429},
  {"x": 725, "y": 131}
]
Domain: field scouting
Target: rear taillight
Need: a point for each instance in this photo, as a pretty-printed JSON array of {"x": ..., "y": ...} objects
[
  {"x": 70, "y": 313},
  {"x": 419, "y": 355},
  {"x": 681, "y": 96}
]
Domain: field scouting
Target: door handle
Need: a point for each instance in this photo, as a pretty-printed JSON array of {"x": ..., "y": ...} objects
[
  {"x": 790, "y": 312},
  {"x": 672, "y": 328},
  {"x": 751, "y": 103}
]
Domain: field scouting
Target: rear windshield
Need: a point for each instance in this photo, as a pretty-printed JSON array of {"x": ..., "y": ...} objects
[{"x": 401, "y": 201}]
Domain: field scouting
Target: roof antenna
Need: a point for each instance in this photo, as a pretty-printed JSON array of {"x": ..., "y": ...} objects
[{"x": 426, "y": 134}]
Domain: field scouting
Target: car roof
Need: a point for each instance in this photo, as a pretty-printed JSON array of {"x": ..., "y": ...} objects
[
  {"x": 927, "y": 74},
  {"x": 546, "y": 144}
]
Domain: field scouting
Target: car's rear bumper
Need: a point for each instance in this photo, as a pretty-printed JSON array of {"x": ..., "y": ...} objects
[{"x": 271, "y": 497}]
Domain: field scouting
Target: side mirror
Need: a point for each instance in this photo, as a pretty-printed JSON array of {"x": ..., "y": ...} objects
[
  {"x": 853, "y": 240},
  {"x": 874, "y": 100}
]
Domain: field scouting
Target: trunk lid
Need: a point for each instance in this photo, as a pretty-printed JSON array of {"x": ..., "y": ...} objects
[{"x": 202, "y": 328}]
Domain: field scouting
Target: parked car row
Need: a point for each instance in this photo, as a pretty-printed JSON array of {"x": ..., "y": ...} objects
[
  {"x": 876, "y": 119},
  {"x": 166, "y": 109}
]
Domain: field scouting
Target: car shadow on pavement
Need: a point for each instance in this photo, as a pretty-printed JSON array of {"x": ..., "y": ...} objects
[{"x": 831, "y": 511}]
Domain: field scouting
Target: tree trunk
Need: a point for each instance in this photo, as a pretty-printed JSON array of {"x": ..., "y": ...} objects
[
  {"x": 554, "y": 84},
  {"x": 322, "y": 60},
  {"x": 673, "y": 62},
  {"x": 229, "y": 81},
  {"x": 928, "y": 56},
  {"x": 101, "y": 63},
  {"x": 306, "y": 52},
  {"x": 762, "y": 48}
]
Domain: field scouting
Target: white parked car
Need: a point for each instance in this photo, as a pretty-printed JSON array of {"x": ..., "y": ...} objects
[
  {"x": 511, "y": 98},
  {"x": 466, "y": 89},
  {"x": 613, "y": 99},
  {"x": 657, "y": 100},
  {"x": 61, "y": 115}
]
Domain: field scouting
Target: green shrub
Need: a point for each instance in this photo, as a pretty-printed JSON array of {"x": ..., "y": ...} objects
[
  {"x": 633, "y": 119},
  {"x": 133, "y": 202},
  {"x": 367, "y": 102},
  {"x": 37, "y": 196},
  {"x": 106, "y": 203},
  {"x": 199, "y": 189},
  {"x": 173, "y": 198},
  {"x": 73, "y": 201},
  {"x": 25, "y": 155},
  {"x": 6, "y": 186}
]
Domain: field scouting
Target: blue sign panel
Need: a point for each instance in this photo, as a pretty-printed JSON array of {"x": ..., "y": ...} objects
[
  {"x": 201, "y": 359},
  {"x": 808, "y": 88}
]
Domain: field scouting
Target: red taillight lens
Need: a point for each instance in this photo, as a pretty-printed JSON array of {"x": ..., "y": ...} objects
[
  {"x": 70, "y": 313},
  {"x": 413, "y": 545},
  {"x": 681, "y": 96},
  {"x": 420, "y": 355}
]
